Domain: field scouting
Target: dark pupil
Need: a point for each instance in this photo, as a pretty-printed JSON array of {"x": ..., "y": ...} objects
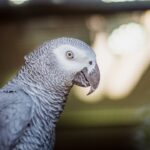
[{"x": 69, "y": 54}]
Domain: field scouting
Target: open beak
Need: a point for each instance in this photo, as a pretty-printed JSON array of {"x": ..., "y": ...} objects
[{"x": 85, "y": 78}]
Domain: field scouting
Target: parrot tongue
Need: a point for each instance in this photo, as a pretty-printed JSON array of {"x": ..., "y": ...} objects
[{"x": 86, "y": 78}]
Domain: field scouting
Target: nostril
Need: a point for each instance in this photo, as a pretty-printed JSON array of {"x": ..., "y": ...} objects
[{"x": 90, "y": 62}]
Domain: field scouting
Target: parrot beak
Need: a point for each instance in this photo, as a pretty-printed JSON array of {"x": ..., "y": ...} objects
[
  {"x": 93, "y": 78},
  {"x": 85, "y": 78}
]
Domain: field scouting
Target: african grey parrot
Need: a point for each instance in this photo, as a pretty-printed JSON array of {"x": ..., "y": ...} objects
[{"x": 31, "y": 103}]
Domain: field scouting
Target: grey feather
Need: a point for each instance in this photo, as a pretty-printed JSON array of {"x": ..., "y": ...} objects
[
  {"x": 31, "y": 104},
  {"x": 12, "y": 124}
]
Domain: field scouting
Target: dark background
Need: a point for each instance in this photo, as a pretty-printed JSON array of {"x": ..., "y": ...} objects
[{"x": 117, "y": 116}]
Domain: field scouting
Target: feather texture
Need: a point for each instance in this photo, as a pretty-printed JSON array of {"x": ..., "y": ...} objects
[{"x": 31, "y": 104}]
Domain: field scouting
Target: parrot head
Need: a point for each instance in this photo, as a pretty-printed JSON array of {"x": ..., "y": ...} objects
[
  {"x": 66, "y": 60},
  {"x": 78, "y": 59}
]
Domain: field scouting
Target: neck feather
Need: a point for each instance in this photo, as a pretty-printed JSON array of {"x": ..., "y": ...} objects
[{"x": 49, "y": 95}]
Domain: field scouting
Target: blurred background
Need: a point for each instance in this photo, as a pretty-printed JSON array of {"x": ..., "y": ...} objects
[{"x": 117, "y": 115}]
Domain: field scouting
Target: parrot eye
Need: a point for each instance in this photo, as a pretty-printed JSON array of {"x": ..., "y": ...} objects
[{"x": 69, "y": 55}]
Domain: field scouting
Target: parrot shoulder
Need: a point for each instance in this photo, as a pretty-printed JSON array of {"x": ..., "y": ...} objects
[{"x": 16, "y": 111}]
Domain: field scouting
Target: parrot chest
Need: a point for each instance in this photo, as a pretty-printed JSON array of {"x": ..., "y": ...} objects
[
  {"x": 39, "y": 134},
  {"x": 40, "y": 131}
]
